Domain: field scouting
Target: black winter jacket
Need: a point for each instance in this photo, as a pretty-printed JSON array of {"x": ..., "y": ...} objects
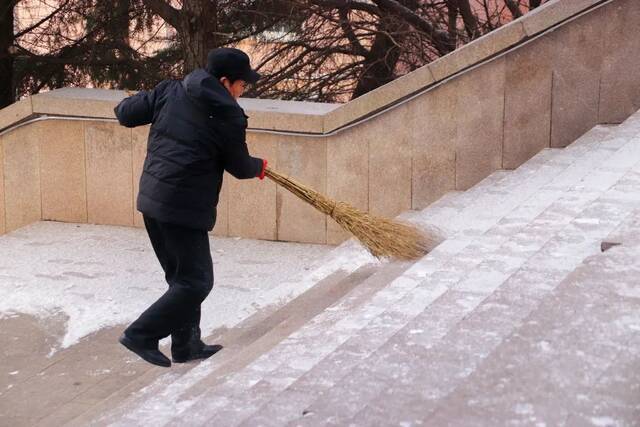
[{"x": 197, "y": 131}]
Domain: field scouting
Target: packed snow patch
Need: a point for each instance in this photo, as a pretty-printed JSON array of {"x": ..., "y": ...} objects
[{"x": 101, "y": 276}]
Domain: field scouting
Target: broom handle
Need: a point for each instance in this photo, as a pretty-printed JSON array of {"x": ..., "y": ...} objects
[
  {"x": 268, "y": 172},
  {"x": 304, "y": 193}
]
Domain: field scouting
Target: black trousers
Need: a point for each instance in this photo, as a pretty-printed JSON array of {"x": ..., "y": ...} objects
[{"x": 186, "y": 260}]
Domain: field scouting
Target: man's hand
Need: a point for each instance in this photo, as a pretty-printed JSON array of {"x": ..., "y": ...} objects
[
  {"x": 130, "y": 92},
  {"x": 264, "y": 169}
]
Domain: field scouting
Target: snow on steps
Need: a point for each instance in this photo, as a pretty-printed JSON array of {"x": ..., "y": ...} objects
[
  {"x": 149, "y": 397},
  {"x": 573, "y": 360},
  {"x": 425, "y": 329},
  {"x": 371, "y": 334},
  {"x": 473, "y": 229},
  {"x": 454, "y": 356},
  {"x": 258, "y": 330},
  {"x": 139, "y": 389}
]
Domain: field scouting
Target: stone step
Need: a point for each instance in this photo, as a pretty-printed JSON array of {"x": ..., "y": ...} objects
[
  {"x": 171, "y": 378},
  {"x": 452, "y": 357},
  {"x": 234, "y": 339},
  {"x": 452, "y": 299},
  {"x": 73, "y": 378},
  {"x": 214, "y": 392},
  {"x": 339, "y": 263},
  {"x": 281, "y": 373},
  {"x": 352, "y": 290},
  {"x": 628, "y": 234},
  {"x": 521, "y": 186},
  {"x": 458, "y": 200},
  {"x": 445, "y": 207},
  {"x": 573, "y": 361},
  {"x": 498, "y": 179},
  {"x": 296, "y": 384}
]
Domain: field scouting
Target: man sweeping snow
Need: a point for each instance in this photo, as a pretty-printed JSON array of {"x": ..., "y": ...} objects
[{"x": 197, "y": 132}]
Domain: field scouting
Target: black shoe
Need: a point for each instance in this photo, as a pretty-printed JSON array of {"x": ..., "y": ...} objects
[
  {"x": 153, "y": 356},
  {"x": 203, "y": 351}
]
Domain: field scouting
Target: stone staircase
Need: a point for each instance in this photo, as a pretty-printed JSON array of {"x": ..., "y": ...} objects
[{"x": 516, "y": 318}]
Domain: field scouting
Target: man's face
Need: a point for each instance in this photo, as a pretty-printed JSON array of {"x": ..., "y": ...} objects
[{"x": 236, "y": 89}]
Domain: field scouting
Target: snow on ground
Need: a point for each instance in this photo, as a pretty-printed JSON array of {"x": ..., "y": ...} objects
[{"x": 100, "y": 276}]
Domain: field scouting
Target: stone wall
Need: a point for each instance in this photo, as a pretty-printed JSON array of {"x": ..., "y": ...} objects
[{"x": 541, "y": 81}]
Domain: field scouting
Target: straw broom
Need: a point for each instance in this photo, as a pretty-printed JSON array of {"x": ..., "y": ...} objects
[{"x": 382, "y": 237}]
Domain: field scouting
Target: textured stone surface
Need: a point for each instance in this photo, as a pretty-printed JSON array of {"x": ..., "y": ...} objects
[
  {"x": 565, "y": 364},
  {"x": 552, "y": 13},
  {"x": 62, "y": 170},
  {"x": 347, "y": 174},
  {"x": 619, "y": 88},
  {"x": 72, "y": 103},
  {"x": 527, "y": 108},
  {"x": 109, "y": 174},
  {"x": 15, "y": 112},
  {"x": 389, "y": 164},
  {"x": 22, "y": 195},
  {"x": 252, "y": 202},
  {"x": 478, "y": 50},
  {"x": 479, "y": 116},
  {"x": 286, "y": 115},
  {"x": 577, "y": 63},
  {"x": 304, "y": 160},
  {"x": 286, "y": 121},
  {"x": 378, "y": 98},
  {"x": 433, "y": 145},
  {"x": 73, "y": 374}
]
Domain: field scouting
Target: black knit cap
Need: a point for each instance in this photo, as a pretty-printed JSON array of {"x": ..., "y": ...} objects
[{"x": 231, "y": 63}]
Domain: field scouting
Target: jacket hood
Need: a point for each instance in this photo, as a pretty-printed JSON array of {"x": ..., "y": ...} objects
[{"x": 207, "y": 90}]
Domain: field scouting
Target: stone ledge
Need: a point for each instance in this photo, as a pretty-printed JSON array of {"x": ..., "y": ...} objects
[
  {"x": 478, "y": 50},
  {"x": 553, "y": 13},
  {"x": 15, "y": 113},
  {"x": 378, "y": 99},
  {"x": 82, "y": 106}
]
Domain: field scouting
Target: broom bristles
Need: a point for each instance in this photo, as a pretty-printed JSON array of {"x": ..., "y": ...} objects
[{"x": 383, "y": 238}]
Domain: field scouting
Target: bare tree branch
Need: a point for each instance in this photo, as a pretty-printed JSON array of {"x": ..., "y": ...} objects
[
  {"x": 440, "y": 38},
  {"x": 534, "y": 3},
  {"x": 167, "y": 12},
  {"x": 348, "y": 5},
  {"x": 350, "y": 35},
  {"x": 41, "y": 21},
  {"x": 513, "y": 8},
  {"x": 469, "y": 19}
]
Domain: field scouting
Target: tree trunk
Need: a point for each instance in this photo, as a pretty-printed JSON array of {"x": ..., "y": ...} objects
[
  {"x": 120, "y": 16},
  {"x": 198, "y": 31},
  {"x": 380, "y": 69},
  {"x": 513, "y": 8},
  {"x": 384, "y": 54},
  {"x": 469, "y": 19},
  {"x": 6, "y": 59},
  {"x": 534, "y": 3}
]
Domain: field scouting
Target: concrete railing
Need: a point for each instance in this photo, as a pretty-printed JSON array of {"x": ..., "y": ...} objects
[{"x": 540, "y": 81}]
